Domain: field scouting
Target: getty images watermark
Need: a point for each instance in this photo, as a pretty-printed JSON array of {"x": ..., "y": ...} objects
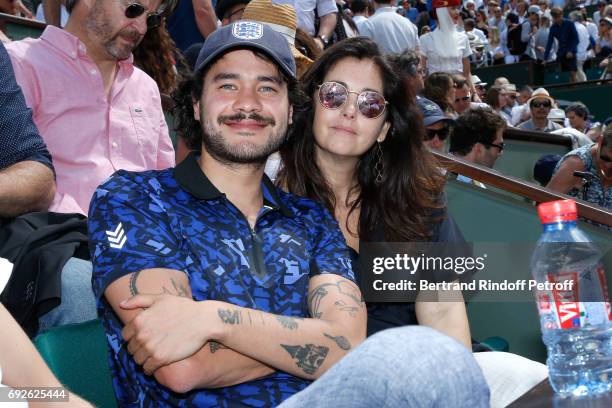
[
  {"x": 413, "y": 264},
  {"x": 480, "y": 272}
]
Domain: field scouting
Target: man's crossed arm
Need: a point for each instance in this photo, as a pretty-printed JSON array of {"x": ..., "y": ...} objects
[{"x": 188, "y": 345}]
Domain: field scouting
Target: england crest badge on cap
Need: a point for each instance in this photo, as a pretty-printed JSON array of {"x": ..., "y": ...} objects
[{"x": 247, "y": 30}]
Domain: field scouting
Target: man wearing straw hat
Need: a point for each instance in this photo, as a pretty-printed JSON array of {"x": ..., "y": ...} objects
[
  {"x": 215, "y": 288},
  {"x": 540, "y": 105},
  {"x": 283, "y": 19}
]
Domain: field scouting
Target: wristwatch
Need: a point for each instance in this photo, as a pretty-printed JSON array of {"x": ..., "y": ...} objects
[{"x": 324, "y": 40}]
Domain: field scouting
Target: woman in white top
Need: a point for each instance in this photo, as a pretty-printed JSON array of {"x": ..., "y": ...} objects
[{"x": 445, "y": 49}]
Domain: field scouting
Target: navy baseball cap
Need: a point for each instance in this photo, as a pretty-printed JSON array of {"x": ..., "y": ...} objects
[
  {"x": 545, "y": 167},
  {"x": 247, "y": 34},
  {"x": 432, "y": 112}
]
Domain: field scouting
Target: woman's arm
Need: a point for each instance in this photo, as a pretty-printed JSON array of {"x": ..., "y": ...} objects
[
  {"x": 449, "y": 318},
  {"x": 21, "y": 364}
]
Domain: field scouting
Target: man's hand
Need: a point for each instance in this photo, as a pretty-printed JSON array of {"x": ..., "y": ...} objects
[
  {"x": 21, "y": 9},
  {"x": 170, "y": 329},
  {"x": 319, "y": 43}
]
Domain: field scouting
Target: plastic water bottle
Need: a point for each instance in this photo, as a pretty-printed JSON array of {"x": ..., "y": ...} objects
[{"x": 575, "y": 318}]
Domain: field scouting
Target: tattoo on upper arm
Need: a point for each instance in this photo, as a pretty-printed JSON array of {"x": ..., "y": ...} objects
[
  {"x": 133, "y": 287},
  {"x": 214, "y": 346},
  {"x": 308, "y": 357},
  {"x": 341, "y": 341},
  {"x": 343, "y": 307},
  {"x": 316, "y": 296},
  {"x": 230, "y": 316},
  {"x": 344, "y": 288},
  {"x": 178, "y": 289},
  {"x": 288, "y": 322}
]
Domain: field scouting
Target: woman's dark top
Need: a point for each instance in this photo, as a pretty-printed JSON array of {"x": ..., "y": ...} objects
[{"x": 383, "y": 316}]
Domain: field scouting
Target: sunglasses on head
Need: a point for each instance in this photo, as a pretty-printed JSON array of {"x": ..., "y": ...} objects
[
  {"x": 229, "y": 16},
  {"x": 333, "y": 95},
  {"x": 541, "y": 104},
  {"x": 442, "y": 133},
  {"x": 464, "y": 99},
  {"x": 135, "y": 10}
]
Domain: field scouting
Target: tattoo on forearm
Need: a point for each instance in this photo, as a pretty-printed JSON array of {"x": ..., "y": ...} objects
[
  {"x": 214, "y": 346},
  {"x": 229, "y": 316},
  {"x": 308, "y": 357},
  {"x": 341, "y": 341},
  {"x": 133, "y": 278},
  {"x": 344, "y": 288},
  {"x": 288, "y": 322}
]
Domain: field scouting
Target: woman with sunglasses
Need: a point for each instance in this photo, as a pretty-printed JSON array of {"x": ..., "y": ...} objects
[
  {"x": 594, "y": 159},
  {"x": 358, "y": 149}
]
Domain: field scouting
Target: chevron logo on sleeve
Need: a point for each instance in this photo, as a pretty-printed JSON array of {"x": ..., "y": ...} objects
[{"x": 117, "y": 237}]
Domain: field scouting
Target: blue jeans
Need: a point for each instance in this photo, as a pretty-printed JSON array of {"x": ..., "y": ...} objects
[
  {"x": 411, "y": 366},
  {"x": 78, "y": 300}
]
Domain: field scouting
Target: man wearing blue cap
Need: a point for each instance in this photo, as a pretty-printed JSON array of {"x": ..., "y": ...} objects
[
  {"x": 216, "y": 288},
  {"x": 437, "y": 124}
]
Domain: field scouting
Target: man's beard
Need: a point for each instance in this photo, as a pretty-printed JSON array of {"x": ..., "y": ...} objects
[
  {"x": 244, "y": 153},
  {"x": 97, "y": 24}
]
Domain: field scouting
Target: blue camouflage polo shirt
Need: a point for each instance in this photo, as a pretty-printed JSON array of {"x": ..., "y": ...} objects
[{"x": 177, "y": 219}]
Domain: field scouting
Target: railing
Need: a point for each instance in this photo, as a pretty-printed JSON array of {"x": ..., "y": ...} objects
[
  {"x": 534, "y": 136},
  {"x": 8, "y": 18},
  {"x": 520, "y": 187},
  {"x": 569, "y": 85}
]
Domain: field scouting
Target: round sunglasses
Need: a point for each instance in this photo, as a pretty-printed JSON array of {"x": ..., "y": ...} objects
[
  {"x": 333, "y": 95},
  {"x": 135, "y": 10}
]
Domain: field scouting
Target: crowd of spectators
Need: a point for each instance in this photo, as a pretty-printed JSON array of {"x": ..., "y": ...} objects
[{"x": 97, "y": 88}]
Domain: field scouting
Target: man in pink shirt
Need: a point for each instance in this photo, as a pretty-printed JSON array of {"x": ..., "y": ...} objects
[{"x": 96, "y": 112}]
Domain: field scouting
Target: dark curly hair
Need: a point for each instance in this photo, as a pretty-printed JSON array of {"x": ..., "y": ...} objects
[
  {"x": 190, "y": 90},
  {"x": 478, "y": 125},
  {"x": 403, "y": 203}
]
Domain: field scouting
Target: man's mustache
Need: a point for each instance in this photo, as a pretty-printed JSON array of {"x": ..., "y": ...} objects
[{"x": 263, "y": 120}]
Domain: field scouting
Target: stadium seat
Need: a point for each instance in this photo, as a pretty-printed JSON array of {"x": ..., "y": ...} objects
[
  {"x": 77, "y": 354},
  {"x": 17, "y": 28}
]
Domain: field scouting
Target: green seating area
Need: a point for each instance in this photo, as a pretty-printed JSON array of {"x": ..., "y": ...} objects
[
  {"x": 524, "y": 148},
  {"x": 558, "y": 77},
  {"x": 595, "y": 94},
  {"x": 521, "y": 73},
  {"x": 77, "y": 354},
  {"x": 17, "y": 28},
  {"x": 485, "y": 216}
]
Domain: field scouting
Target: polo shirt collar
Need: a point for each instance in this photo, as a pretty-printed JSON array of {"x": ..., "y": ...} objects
[
  {"x": 384, "y": 9},
  {"x": 71, "y": 46},
  {"x": 192, "y": 179}
]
